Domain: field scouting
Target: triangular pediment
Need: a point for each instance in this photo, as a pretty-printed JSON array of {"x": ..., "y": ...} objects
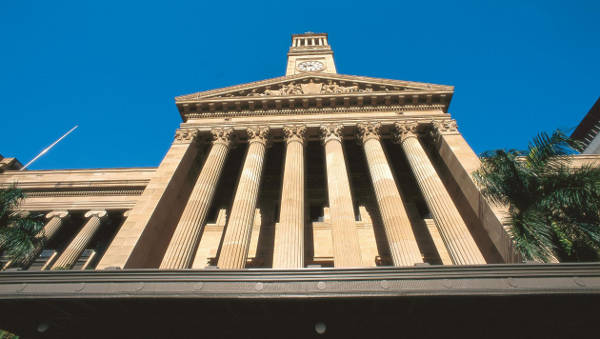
[{"x": 314, "y": 84}]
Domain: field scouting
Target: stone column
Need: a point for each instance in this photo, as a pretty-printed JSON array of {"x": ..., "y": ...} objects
[
  {"x": 346, "y": 248},
  {"x": 236, "y": 241},
  {"x": 55, "y": 222},
  {"x": 81, "y": 240},
  {"x": 288, "y": 251},
  {"x": 461, "y": 161},
  {"x": 182, "y": 248},
  {"x": 397, "y": 226},
  {"x": 454, "y": 231},
  {"x": 140, "y": 242}
]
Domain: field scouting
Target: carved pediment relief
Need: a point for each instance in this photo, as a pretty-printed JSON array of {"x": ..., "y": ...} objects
[{"x": 314, "y": 85}]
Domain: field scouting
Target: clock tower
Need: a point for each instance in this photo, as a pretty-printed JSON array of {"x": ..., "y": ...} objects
[{"x": 310, "y": 52}]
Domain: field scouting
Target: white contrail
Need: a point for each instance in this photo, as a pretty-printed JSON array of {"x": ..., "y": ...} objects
[{"x": 48, "y": 148}]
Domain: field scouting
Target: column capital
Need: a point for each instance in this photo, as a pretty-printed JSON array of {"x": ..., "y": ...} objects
[
  {"x": 258, "y": 134},
  {"x": 97, "y": 213},
  {"x": 222, "y": 136},
  {"x": 294, "y": 133},
  {"x": 447, "y": 126},
  {"x": 332, "y": 132},
  {"x": 185, "y": 136},
  {"x": 404, "y": 130},
  {"x": 368, "y": 130},
  {"x": 59, "y": 214}
]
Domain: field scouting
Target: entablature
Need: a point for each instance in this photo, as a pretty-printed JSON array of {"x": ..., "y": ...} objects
[
  {"x": 423, "y": 123},
  {"x": 80, "y": 189},
  {"x": 312, "y": 93}
]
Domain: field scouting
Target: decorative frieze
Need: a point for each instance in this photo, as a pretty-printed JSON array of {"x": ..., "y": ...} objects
[{"x": 314, "y": 107}]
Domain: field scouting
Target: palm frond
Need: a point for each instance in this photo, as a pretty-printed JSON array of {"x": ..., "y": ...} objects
[{"x": 547, "y": 151}]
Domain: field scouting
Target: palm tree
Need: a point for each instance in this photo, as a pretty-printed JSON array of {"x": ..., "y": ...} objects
[
  {"x": 21, "y": 234},
  {"x": 553, "y": 205}
]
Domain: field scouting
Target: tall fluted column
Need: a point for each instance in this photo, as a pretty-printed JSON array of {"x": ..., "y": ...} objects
[
  {"x": 236, "y": 241},
  {"x": 398, "y": 230},
  {"x": 81, "y": 240},
  {"x": 288, "y": 251},
  {"x": 346, "y": 248},
  {"x": 182, "y": 248},
  {"x": 460, "y": 244}
]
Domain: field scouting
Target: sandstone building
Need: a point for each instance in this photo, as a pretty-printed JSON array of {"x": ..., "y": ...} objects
[{"x": 314, "y": 183}]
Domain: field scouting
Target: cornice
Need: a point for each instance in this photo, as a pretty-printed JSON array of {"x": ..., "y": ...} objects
[
  {"x": 85, "y": 193},
  {"x": 83, "y": 205},
  {"x": 500, "y": 280},
  {"x": 310, "y": 110},
  {"x": 65, "y": 184},
  {"x": 316, "y": 75}
]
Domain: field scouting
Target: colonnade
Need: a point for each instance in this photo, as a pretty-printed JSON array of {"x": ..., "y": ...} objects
[
  {"x": 288, "y": 251},
  {"x": 55, "y": 221}
]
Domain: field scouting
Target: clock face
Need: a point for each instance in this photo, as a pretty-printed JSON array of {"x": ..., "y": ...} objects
[{"x": 310, "y": 66}]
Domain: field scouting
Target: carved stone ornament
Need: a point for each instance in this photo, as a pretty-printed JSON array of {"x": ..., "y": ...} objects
[
  {"x": 59, "y": 214},
  {"x": 185, "y": 136},
  {"x": 258, "y": 134},
  {"x": 445, "y": 126},
  {"x": 294, "y": 133},
  {"x": 367, "y": 130},
  {"x": 332, "y": 132},
  {"x": 221, "y": 136},
  {"x": 404, "y": 130},
  {"x": 311, "y": 86},
  {"x": 100, "y": 214}
]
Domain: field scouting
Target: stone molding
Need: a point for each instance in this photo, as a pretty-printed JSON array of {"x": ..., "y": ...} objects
[
  {"x": 100, "y": 214},
  {"x": 377, "y": 83},
  {"x": 495, "y": 280},
  {"x": 332, "y": 132},
  {"x": 294, "y": 133},
  {"x": 59, "y": 214},
  {"x": 260, "y": 134},
  {"x": 185, "y": 136},
  {"x": 85, "y": 193},
  {"x": 368, "y": 130}
]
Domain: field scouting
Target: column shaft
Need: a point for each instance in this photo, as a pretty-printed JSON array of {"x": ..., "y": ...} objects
[
  {"x": 186, "y": 237},
  {"x": 461, "y": 246},
  {"x": 288, "y": 251},
  {"x": 397, "y": 226},
  {"x": 346, "y": 248},
  {"x": 81, "y": 240},
  {"x": 236, "y": 241}
]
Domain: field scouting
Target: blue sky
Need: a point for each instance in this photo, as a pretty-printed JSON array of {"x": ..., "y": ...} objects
[{"x": 114, "y": 67}]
